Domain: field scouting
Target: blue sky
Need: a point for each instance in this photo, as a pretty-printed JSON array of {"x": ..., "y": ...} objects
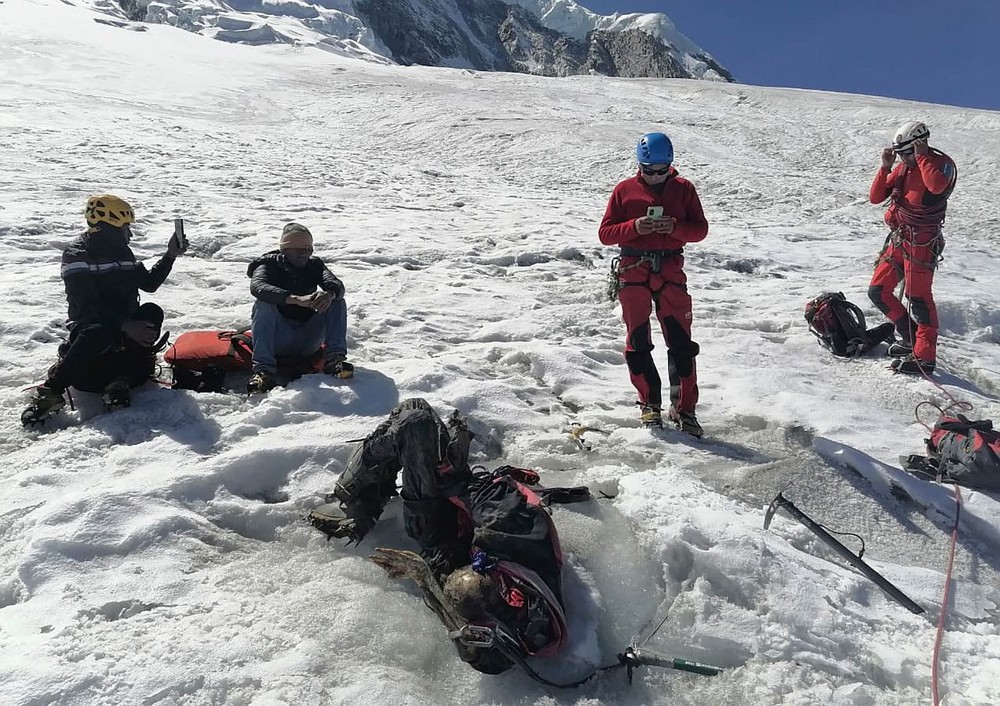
[{"x": 939, "y": 51}]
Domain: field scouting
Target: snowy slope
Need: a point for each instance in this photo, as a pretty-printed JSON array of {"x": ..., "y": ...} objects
[{"x": 157, "y": 556}]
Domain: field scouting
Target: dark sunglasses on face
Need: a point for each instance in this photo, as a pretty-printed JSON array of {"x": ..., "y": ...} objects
[
  {"x": 650, "y": 171},
  {"x": 904, "y": 152}
]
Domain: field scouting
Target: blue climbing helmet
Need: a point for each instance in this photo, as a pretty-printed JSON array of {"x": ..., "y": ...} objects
[{"x": 654, "y": 148}]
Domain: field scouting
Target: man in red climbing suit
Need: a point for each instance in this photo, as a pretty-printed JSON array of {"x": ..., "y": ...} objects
[
  {"x": 651, "y": 217},
  {"x": 918, "y": 190}
]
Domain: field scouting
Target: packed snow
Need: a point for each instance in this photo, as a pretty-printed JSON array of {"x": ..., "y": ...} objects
[{"x": 158, "y": 555}]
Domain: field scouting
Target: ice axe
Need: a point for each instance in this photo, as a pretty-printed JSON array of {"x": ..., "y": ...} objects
[{"x": 780, "y": 501}]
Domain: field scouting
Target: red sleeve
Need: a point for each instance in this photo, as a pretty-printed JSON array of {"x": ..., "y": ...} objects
[
  {"x": 882, "y": 185},
  {"x": 937, "y": 177},
  {"x": 693, "y": 227},
  {"x": 616, "y": 228}
]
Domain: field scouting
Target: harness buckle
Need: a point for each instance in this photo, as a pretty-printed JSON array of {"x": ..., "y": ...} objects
[{"x": 474, "y": 636}]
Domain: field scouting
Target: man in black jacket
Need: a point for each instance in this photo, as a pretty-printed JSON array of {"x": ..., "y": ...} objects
[
  {"x": 299, "y": 307},
  {"x": 113, "y": 340},
  {"x": 490, "y": 565}
]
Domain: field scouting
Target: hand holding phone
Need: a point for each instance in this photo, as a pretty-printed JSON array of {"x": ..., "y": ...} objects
[
  {"x": 179, "y": 232},
  {"x": 178, "y": 241}
]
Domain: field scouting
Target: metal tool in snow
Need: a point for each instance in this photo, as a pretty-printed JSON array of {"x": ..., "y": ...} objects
[
  {"x": 578, "y": 430},
  {"x": 780, "y": 501},
  {"x": 635, "y": 656}
]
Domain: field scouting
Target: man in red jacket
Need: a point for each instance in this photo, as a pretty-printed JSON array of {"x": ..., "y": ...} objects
[
  {"x": 918, "y": 190},
  {"x": 651, "y": 217}
]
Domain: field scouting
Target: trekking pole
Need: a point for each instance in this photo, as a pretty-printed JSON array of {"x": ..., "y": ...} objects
[{"x": 780, "y": 501}]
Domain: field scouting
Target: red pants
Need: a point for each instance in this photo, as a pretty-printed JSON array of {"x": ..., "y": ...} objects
[
  {"x": 910, "y": 257},
  {"x": 667, "y": 290}
]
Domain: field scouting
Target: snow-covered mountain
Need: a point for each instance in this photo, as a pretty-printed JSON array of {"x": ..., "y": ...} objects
[
  {"x": 545, "y": 37},
  {"x": 157, "y": 555}
]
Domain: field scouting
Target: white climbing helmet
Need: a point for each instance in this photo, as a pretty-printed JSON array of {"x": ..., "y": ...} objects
[{"x": 908, "y": 133}]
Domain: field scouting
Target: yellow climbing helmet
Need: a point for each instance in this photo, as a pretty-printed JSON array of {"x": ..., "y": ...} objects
[{"x": 109, "y": 209}]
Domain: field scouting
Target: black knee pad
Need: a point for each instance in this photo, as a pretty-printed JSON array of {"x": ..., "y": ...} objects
[
  {"x": 682, "y": 349},
  {"x": 875, "y": 294},
  {"x": 640, "y": 362},
  {"x": 920, "y": 310},
  {"x": 640, "y": 340}
]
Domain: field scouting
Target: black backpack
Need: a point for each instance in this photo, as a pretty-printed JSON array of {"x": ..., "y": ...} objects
[{"x": 840, "y": 326}]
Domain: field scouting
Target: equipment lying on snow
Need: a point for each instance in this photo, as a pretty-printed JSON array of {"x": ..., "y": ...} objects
[
  {"x": 960, "y": 451},
  {"x": 840, "y": 326},
  {"x": 201, "y": 359},
  {"x": 780, "y": 501}
]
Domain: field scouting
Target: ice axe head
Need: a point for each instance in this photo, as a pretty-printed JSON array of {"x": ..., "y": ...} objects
[{"x": 779, "y": 501}]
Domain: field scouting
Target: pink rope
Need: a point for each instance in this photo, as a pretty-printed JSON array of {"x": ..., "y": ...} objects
[{"x": 944, "y": 600}]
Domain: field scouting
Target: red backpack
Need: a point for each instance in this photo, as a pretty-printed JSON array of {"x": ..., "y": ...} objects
[
  {"x": 200, "y": 359},
  {"x": 966, "y": 452},
  {"x": 840, "y": 326}
]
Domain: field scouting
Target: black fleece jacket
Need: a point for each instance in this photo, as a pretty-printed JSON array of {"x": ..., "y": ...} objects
[
  {"x": 273, "y": 279},
  {"x": 103, "y": 279}
]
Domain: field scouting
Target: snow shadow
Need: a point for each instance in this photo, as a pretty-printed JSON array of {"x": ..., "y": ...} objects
[
  {"x": 155, "y": 411},
  {"x": 370, "y": 393},
  {"x": 953, "y": 380}
]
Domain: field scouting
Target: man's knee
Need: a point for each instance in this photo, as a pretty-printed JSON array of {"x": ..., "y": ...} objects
[
  {"x": 876, "y": 295},
  {"x": 150, "y": 312},
  {"x": 683, "y": 350},
  {"x": 264, "y": 312},
  {"x": 921, "y": 310},
  {"x": 639, "y": 339}
]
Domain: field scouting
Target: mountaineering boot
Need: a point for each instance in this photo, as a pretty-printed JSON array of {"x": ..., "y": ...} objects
[
  {"x": 117, "y": 395},
  {"x": 338, "y": 366},
  {"x": 650, "y": 416},
  {"x": 46, "y": 403},
  {"x": 334, "y": 520},
  {"x": 899, "y": 350},
  {"x": 911, "y": 365},
  {"x": 687, "y": 422},
  {"x": 261, "y": 381}
]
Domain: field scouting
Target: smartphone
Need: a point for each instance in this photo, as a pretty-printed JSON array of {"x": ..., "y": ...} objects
[
  {"x": 179, "y": 232},
  {"x": 654, "y": 213}
]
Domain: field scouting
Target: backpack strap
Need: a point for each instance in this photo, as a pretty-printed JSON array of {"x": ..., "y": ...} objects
[
  {"x": 240, "y": 341},
  {"x": 851, "y": 320}
]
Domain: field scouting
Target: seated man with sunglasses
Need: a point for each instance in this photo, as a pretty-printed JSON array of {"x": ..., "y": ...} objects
[
  {"x": 651, "y": 217},
  {"x": 918, "y": 190},
  {"x": 299, "y": 307}
]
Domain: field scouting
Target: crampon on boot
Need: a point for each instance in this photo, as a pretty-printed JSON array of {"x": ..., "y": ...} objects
[
  {"x": 46, "y": 403},
  {"x": 333, "y": 521},
  {"x": 686, "y": 422},
  {"x": 117, "y": 395},
  {"x": 261, "y": 381},
  {"x": 337, "y": 366},
  {"x": 650, "y": 416}
]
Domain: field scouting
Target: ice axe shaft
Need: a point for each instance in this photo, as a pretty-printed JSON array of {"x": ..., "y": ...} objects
[
  {"x": 780, "y": 501},
  {"x": 652, "y": 659}
]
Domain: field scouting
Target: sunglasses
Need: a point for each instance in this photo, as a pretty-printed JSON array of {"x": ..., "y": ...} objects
[
  {"x": 658, "y": 172},
  {"x": 904, "y": 152}
]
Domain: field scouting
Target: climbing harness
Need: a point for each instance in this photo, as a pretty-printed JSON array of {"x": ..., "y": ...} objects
[{"x": 654, "y": 258}]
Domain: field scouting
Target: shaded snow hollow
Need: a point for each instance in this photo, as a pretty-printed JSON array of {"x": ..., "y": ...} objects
[{"x": 157, "y": 555}]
